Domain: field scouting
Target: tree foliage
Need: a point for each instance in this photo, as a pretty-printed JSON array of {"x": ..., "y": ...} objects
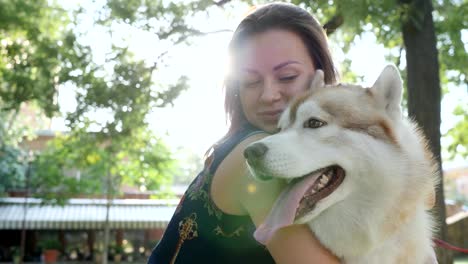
[
  {"x": 166, "y": 19},
  {"x": 73, "y": 165},
  {"x": 38, "y": 52},
  {"x": 30, "y": 37},
  {"x": 12, "y": 168},
  {"x": 459, "y": 143},
  {"x": 44, "y": 51}
]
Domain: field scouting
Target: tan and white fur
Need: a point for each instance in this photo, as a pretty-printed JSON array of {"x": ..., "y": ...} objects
[{"x": 378, "y": 213}]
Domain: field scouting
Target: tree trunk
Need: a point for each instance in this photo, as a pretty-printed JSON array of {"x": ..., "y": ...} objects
[
  {"x": 424, "y": 92},
  {"x": 25, "y": 211},
  {"x": 106, "y": 223},
  {"x": 105, "y": 254}
]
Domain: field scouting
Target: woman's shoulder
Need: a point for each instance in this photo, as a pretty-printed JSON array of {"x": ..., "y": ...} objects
[
  {"x": 232, "y": 145},
  {"x": 238, "y": 136},
  {"x": 235, "y": 191}
]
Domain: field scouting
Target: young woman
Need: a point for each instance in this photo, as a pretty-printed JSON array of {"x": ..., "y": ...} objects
[{"x": 275, "y": 51}]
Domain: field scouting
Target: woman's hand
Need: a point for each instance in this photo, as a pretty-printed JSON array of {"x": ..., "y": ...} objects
[{"x": 297, "y": 244}]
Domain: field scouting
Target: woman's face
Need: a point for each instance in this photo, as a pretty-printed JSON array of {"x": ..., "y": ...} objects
[{"x": 272, "y": 67}]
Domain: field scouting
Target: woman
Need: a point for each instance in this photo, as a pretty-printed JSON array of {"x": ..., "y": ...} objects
[{"x": 275, "y": 51}]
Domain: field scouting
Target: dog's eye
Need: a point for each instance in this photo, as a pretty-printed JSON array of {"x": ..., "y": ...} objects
[{"x": 313, "y": 123}]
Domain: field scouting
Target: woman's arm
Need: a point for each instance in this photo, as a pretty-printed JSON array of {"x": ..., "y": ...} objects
[
  {"x": 297, "y": 244},
  {"x": 292, "y": 244}
]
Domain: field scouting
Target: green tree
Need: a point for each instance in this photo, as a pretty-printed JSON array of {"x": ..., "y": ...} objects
[
  {"x": 12, "y": 168},
  {"x": 42, "y": 52},
  {"x": 29, "y": 40},
  {"x": 459, "y": 143},
  {"x": 72, "y": 164},
  {"x": 43, "y": 49}
]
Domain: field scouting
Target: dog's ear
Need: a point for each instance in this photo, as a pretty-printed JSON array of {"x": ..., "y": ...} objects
[
  {"x": 430, "y": 200},
  {"x": 317, "y": 81},
  {"x": 388, "y": 90}
]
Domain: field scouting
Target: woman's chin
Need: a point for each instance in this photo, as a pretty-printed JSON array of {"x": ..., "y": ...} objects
[{"x": 270, "y": 127}]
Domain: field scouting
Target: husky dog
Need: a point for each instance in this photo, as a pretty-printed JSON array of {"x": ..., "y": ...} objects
[{"x": 359, "y": 174}]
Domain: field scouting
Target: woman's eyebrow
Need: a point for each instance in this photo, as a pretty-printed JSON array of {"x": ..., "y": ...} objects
[
  {"x": 275, "y": 68},
  {"x": 283, "y": 64},
  {"x": 249, "y": 70}
]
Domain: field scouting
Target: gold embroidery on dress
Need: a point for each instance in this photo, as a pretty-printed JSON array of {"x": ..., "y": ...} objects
[
  {"x": 219, "y": 232},
  {"x": 188, "y": 229},
  {"x": 198, "y": 192}
]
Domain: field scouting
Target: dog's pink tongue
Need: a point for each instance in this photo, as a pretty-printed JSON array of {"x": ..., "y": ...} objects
[{"x": 284, "y": 210}]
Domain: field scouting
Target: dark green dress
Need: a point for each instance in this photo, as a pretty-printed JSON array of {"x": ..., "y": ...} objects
[{"x": 199, "y": 232}]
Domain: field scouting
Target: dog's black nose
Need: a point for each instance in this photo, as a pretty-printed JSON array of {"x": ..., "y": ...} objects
[{"x": 255, "y": 152}]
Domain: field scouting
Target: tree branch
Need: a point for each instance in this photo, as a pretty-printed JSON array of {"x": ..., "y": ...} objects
[
  {"x": 201, "y": 33},
  {"x": 221, "y": 2},
  {"x": 334, "y": 23},
  {"x": 399, "y": 56},
  {"x": 12, "y": 119}
]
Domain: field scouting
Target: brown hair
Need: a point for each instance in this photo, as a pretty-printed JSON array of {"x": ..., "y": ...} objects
[{"x": 276, "y": 16}]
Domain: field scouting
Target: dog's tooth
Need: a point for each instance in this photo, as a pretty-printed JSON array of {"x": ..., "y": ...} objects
[
  {"x": 324, "y": 180},
  {"x": 311, "y": 191}
]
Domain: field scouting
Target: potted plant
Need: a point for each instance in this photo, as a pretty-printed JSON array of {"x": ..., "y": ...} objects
[
  {"x": 118, "y": 252},
  {"x": 97, "y": 255},
  {"x": 51, "y": 251},
  {"x": 16, "y": 255}
]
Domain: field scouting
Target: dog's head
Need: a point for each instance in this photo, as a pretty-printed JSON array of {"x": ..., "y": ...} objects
[{"x": 338, "y": 146}]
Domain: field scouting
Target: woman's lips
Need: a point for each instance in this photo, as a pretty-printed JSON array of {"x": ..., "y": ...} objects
[{"x": 270, "y": 115}]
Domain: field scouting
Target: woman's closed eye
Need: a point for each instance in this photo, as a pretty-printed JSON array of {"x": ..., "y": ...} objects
[
  {"x": 250, "y": 83},
  {"x": 288, "y": 78}
]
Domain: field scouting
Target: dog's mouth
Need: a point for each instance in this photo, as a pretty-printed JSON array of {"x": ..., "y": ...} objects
[
  {"x": 328, "y": 180},
  {"x": 299, "y": 198}
]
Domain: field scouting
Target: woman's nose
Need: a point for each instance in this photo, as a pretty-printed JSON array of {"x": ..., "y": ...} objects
[{"x": 271, "y": 92}]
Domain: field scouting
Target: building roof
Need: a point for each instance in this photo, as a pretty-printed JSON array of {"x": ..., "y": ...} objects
[{"x": 85, "y": 214}]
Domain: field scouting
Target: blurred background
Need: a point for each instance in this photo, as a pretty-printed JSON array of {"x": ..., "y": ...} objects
[{"x": 108, "y": 106}]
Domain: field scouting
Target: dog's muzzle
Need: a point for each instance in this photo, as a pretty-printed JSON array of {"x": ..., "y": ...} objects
[{"x": 254, "y": 154}]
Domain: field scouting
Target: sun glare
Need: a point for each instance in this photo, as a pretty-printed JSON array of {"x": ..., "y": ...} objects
[{"x": 197, "y": 118}]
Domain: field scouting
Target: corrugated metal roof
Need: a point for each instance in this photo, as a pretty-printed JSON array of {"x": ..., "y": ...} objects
[{"x": 86, "y": 214}]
